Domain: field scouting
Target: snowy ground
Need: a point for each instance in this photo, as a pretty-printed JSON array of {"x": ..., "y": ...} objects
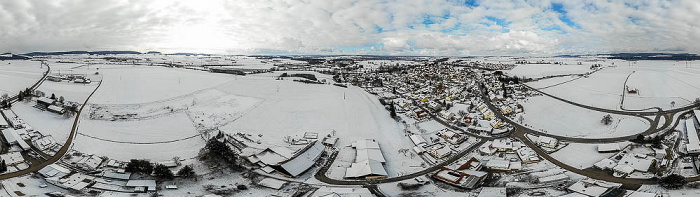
[
  {"x": 45, "y": 122},
  {"x": 31, "y": 186},
  {"x": 555, "y": 117},
  {"x": 19, "y": 75},
  {"x": 139, "y": 84},
  {"x": 543, "y": 70},
  {"x": 672, "y": 82},
  {"x": 571, "y": 154},
  {"x": 291, "y": 107},
  {"x": 551, "y": 82},
  {"x": 658, "y": 82}
]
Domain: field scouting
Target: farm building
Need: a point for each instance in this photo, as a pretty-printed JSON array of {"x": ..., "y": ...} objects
[{"x": 301, "y": 161}]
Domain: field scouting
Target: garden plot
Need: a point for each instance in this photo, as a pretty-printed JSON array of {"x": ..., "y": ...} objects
[
  {"x": 17, "y": 75},
  {"x": 555, "y": 117}
]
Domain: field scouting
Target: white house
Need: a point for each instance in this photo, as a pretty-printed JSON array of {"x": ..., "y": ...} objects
[
  {"x": 608, "y": 148},
  {"x": 548, "y": 142}
]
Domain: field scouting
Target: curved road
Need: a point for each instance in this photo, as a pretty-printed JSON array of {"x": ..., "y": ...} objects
[
  {"x": 619, "y": 112},
  {"x": 61, "y": 152}
]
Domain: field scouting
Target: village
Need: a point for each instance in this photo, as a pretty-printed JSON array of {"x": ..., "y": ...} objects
[{"x": 338, "y": 126}]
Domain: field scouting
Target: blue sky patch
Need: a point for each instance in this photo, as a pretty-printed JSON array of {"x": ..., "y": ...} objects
[{"x": 563, "y": 16}]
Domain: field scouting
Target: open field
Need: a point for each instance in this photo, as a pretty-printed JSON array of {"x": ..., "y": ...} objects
[
  {"x": 658, "y": 83},
  {"x": 558, "y": 118},
  {"x": 18, "y": 75}
]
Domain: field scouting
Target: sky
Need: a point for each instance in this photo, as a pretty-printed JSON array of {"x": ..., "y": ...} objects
[{"x": 376, "y": 27}]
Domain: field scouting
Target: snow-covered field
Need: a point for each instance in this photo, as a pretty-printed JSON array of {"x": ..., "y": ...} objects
[
  {"x": 662, "y": 82},
  {"x": 542, "y": 70},
  {"x": 45, "y": 122},
  {"x": 571, "y": 154},
  {"x": 658, "y": 82},
  {"x": 19, "y": 75},
  {"x": 140, "y": 84},
  {"x": 558, "y": 118}
]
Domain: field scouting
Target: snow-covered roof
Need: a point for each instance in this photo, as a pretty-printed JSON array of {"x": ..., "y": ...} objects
[
  {"x": 639, "y": 194},
  {"x": 605, "y": 164},
  {"x": 54, "y": 170},
  {"x": 553, "y": 178},
  {"x": 365, "y": 144},
  {"x": 497, "y": 163},
  {"x": 13, "y": 138},
  {"x": 547, "y": 140},
  {"x": 365, "y": 168},
  {"x": 693, "y": 141},
  {"x": 639, "y": 164},
  {"x": 587, "y": 188},
  {"x": 272, "y": 183},
  {"x": 366, "y": 154},
  {"x": 624, "y": 168},
  {"x": 113, "y": 175},
  {"x": 418, "y": 140},
  {"x": 268, "y": 157},
  {"x": 3, "y": 123},
  {"x": 338, "y": 191},
  {"x": 608, "y": 147},
  {"x": 527, "y": 155},
  {"x": 151, "y": 184},
  {"x": 45, "y": 100},
  {"x": 9, "y": 135},
  {"x": 55, "y": 108},
  {"x": 304, "y": 160},
  {"x": 492, "y": 192}
]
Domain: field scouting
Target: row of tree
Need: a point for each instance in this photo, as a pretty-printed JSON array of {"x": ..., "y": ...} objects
[{"x": 160, "y": 171}]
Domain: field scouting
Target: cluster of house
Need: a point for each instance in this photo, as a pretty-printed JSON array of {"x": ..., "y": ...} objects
[
  {"x": 463, "y": 174},
  {"x": 75, "y": 78},
  {"x": 20, "y": 138},
  {"x": 598, "y": 188},
  {"x": 90, "y": 173},
  {"x": 632, "y": 158},
  {"x": 445, "y": 91},
  {"x": 508, "y": 146},
  {"x": 441, "y": 144},
  {"x": 288, "y": 161},
  {"x": 51, "y": 105}
]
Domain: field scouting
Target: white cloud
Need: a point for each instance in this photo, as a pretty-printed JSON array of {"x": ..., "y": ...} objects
[{"x": 321, "y": 26}]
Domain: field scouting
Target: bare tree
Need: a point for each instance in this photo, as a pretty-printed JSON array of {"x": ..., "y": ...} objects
[{"x": 607, "y": 119}]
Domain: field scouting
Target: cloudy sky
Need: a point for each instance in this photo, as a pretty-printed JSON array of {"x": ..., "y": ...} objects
[{"x": 384, "y": 27}]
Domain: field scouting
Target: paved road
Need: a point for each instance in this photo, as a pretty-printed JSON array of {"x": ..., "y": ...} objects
[
  {"x": 592, "y": 173},
  {"x": 61, "y": 152}
]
